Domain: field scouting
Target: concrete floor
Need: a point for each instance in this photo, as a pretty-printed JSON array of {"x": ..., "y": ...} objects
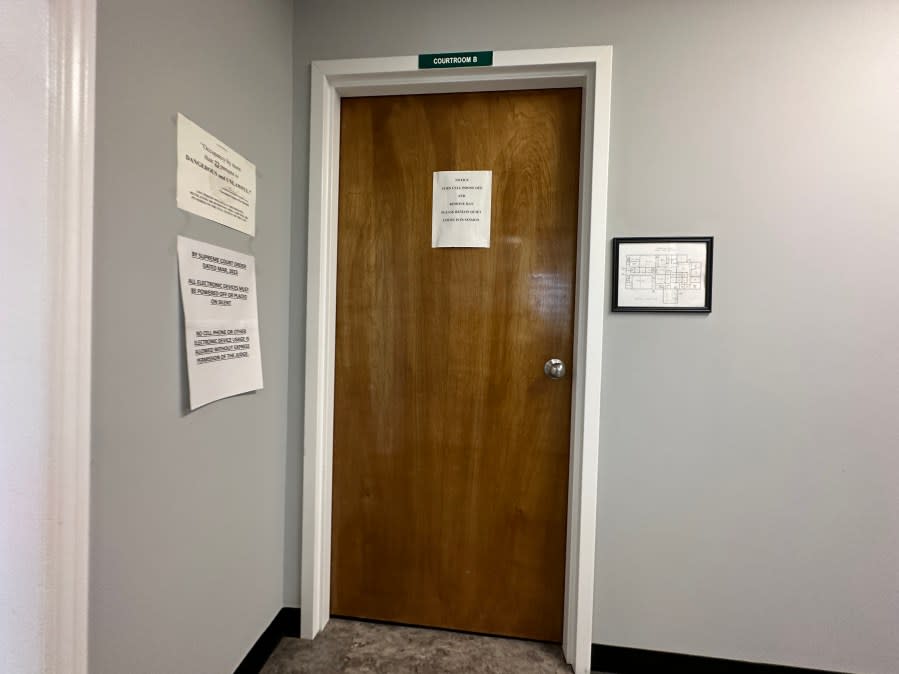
[{"x": 372, "y": 648}]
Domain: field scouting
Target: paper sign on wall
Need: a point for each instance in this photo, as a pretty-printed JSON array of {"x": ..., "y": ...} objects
[
  {"x": 221, "y": 326},
  {"x": 460, "y": 215},
  {"x": 214, "y": 181}
]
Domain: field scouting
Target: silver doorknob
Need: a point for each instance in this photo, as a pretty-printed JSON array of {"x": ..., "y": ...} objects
[{"x": 554, "y": 368}]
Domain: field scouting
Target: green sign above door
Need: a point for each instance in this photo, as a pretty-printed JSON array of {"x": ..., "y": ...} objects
[{"x": 461, "y": 59}]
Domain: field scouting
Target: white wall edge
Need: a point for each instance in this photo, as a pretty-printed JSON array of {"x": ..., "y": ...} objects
[
  {"x": 586, "y": 67},
  {"x": 71, "y": 88}
]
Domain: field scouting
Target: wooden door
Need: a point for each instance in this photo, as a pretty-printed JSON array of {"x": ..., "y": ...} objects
[{"x": 451, "y": 445}]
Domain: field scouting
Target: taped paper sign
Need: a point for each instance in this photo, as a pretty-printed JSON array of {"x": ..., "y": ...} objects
[
  {"x": 460, "y": 215},
  {"x": 221, "y": 326},
  {"x": 214, "y": 181}
]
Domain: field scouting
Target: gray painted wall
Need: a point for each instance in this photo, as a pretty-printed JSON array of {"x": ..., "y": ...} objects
[
  {"x": 747, "y": 504},
  {"x": 24, "y": 348},
  {"x": 187, "y": 509}
]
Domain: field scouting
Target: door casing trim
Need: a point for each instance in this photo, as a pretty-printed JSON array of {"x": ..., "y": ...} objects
[
  {"x": 589, "y": 68},
  {"x": 70, "y": 219}
]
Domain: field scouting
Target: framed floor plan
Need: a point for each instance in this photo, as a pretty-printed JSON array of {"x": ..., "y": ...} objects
[{"x": 662, "y": 274}]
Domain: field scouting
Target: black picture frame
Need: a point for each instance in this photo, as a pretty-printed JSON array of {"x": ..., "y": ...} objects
[{"x": 654, "y": 240}]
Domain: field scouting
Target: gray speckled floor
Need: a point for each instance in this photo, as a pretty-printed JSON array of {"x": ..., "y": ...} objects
[{"x": 372, "y": 648}]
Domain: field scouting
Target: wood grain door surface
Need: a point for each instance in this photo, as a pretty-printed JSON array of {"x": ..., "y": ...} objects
[{"x": 451, "y": 445}]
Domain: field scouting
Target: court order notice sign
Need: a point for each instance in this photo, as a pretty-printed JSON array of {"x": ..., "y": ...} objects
[
  {"x": 221, "y": 324},
  {"x": 460, "y": 210},
  {"x": 214, "y": 181}
]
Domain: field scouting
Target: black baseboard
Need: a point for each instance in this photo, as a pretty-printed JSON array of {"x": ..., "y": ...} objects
[
  {"x": 620, "y": 660},
  {"x": 285, "y": 624}
]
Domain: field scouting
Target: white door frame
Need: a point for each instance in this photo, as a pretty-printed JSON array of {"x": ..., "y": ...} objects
[
  {"x": 589, "y": 68},
  {"x": 70, "y": 179}
]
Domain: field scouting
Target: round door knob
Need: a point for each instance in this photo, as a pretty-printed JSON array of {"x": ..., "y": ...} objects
[{"x": 554, "y": 368}]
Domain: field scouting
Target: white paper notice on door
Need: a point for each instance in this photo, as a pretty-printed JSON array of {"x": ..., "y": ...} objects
[
  {"x": 221, "y": 325},
  {"x": 213, "y": 180},
  {"x": 460, "y": 216}
]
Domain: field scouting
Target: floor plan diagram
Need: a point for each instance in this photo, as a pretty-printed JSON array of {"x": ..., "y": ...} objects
[
  {"x": 666, "y": 273},
  {"x": 662, "y": 274}
]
